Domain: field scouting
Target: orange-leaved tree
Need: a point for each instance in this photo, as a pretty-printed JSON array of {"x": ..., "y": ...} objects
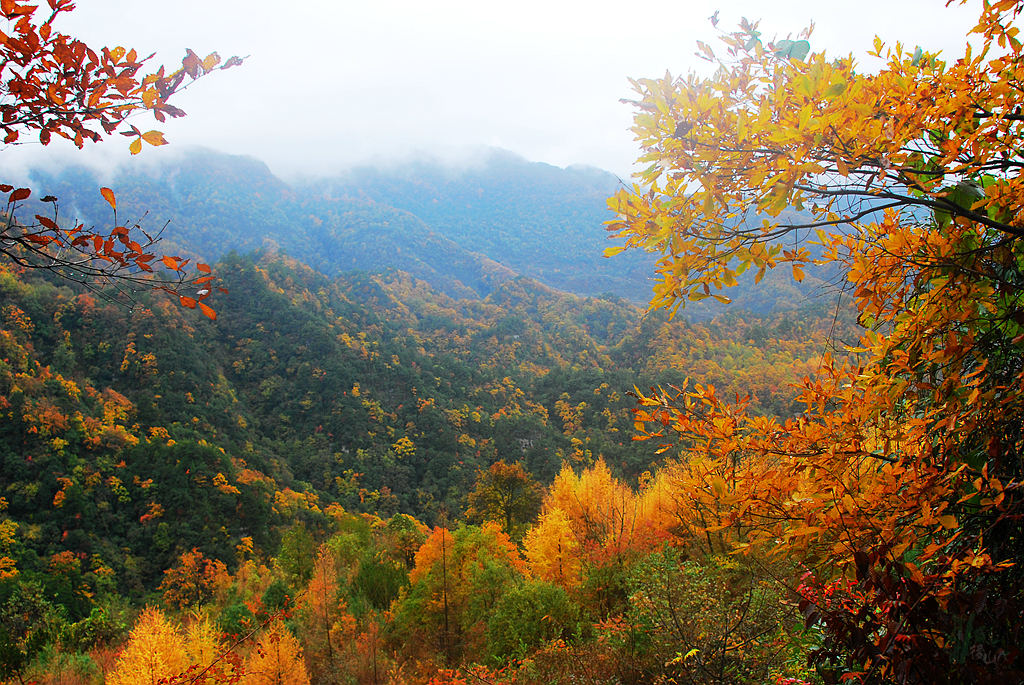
[
  {"x": 53, "y": 85},
  {"x": 506, "y": 493},
  {"x": 899, "y": 486}
]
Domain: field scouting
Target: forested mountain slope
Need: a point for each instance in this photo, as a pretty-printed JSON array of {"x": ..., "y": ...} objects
[
  {"x": 374, "y": 391},
  {"x": 463, "y": 229}
]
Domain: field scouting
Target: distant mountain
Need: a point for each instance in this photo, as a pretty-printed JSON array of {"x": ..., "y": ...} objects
[
  {"x": 540, "y": 220},
  {"x": 465, "y": 229},
  {"x": 214, "y": 203}
]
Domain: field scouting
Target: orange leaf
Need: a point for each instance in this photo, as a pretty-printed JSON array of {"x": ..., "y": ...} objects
[
  {"x": 170, "y": 262},
  {"x": 209, "y": 312},
  {"x": 205, "y": 268},
  {"x": 187, "y": 302},
  {"x": 108, "y": 195}
]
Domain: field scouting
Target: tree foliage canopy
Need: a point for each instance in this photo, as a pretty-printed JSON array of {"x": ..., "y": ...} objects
[
  {"x": 52, "y": 84},
  {"x": 903, "y": 474}
]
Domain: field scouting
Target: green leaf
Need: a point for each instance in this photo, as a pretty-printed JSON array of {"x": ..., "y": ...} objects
[
  {"x": 795, "y": 49},
  {"x": 800, "y": 50},
  {"x": 835, "y": 89}
]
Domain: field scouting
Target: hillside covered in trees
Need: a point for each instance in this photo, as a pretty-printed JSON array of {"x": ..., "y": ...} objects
[
  {"x": 475, "y": 458},
  {"x": 133, "y": 438}
]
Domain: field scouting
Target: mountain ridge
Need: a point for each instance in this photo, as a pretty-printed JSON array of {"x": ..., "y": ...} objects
[{"x": 465, "y": 229}]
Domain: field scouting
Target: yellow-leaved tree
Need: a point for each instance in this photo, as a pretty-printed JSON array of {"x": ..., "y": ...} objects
[
  {"x": 552, "y": 550},
  {"x": 899, "y": 486},
  {"x": 276, "y": 660},
  {"x": 155, "y": 652}
]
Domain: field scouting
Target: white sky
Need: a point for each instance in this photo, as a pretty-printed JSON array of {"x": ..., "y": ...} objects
[{"x": 330, "y": 83}]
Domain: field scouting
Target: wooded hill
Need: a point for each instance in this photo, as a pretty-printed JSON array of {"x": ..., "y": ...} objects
[
  {"x": 132, "y": 430},
  {"x": 465, "y": 229}
]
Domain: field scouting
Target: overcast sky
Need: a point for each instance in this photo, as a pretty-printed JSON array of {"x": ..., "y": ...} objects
[{"x": 331, "y": 83}]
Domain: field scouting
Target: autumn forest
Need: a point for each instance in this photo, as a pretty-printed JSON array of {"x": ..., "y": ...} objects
[{"x": 753, "y": 416}]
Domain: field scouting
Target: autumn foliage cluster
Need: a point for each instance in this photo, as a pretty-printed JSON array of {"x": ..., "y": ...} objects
[
  {"x": 54, "y": 85},
  {"x": 898, "y": 486}
]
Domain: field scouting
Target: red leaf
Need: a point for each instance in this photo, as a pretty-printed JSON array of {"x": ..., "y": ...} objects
[
  {"x": 47, "y": 223},
  {"x": 187, "y": 302},
  {"x": 205, "y": 268},
  {"x": 19, "y": 194},
  {"x": 191, "y": 64}
]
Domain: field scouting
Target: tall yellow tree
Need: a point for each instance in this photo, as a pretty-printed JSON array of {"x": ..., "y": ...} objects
[
  {"x": 155, "y": 652},
  {"x": 603, "y": 512},
  {"x": 552, "y": 550},
  {"x": 904, "y": 472},
  {"x": 276, "y": 660}
]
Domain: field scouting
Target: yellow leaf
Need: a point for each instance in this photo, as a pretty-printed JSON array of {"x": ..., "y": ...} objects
[
  {"x": 709, "y": 205},
  {"x": 798, "y": 273},
  {"x": 612, "y": 251},
  {"x": 149, "y": 97},
  {"x": 212, "y": 60},
  {"x": 136, "y": 146}
]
